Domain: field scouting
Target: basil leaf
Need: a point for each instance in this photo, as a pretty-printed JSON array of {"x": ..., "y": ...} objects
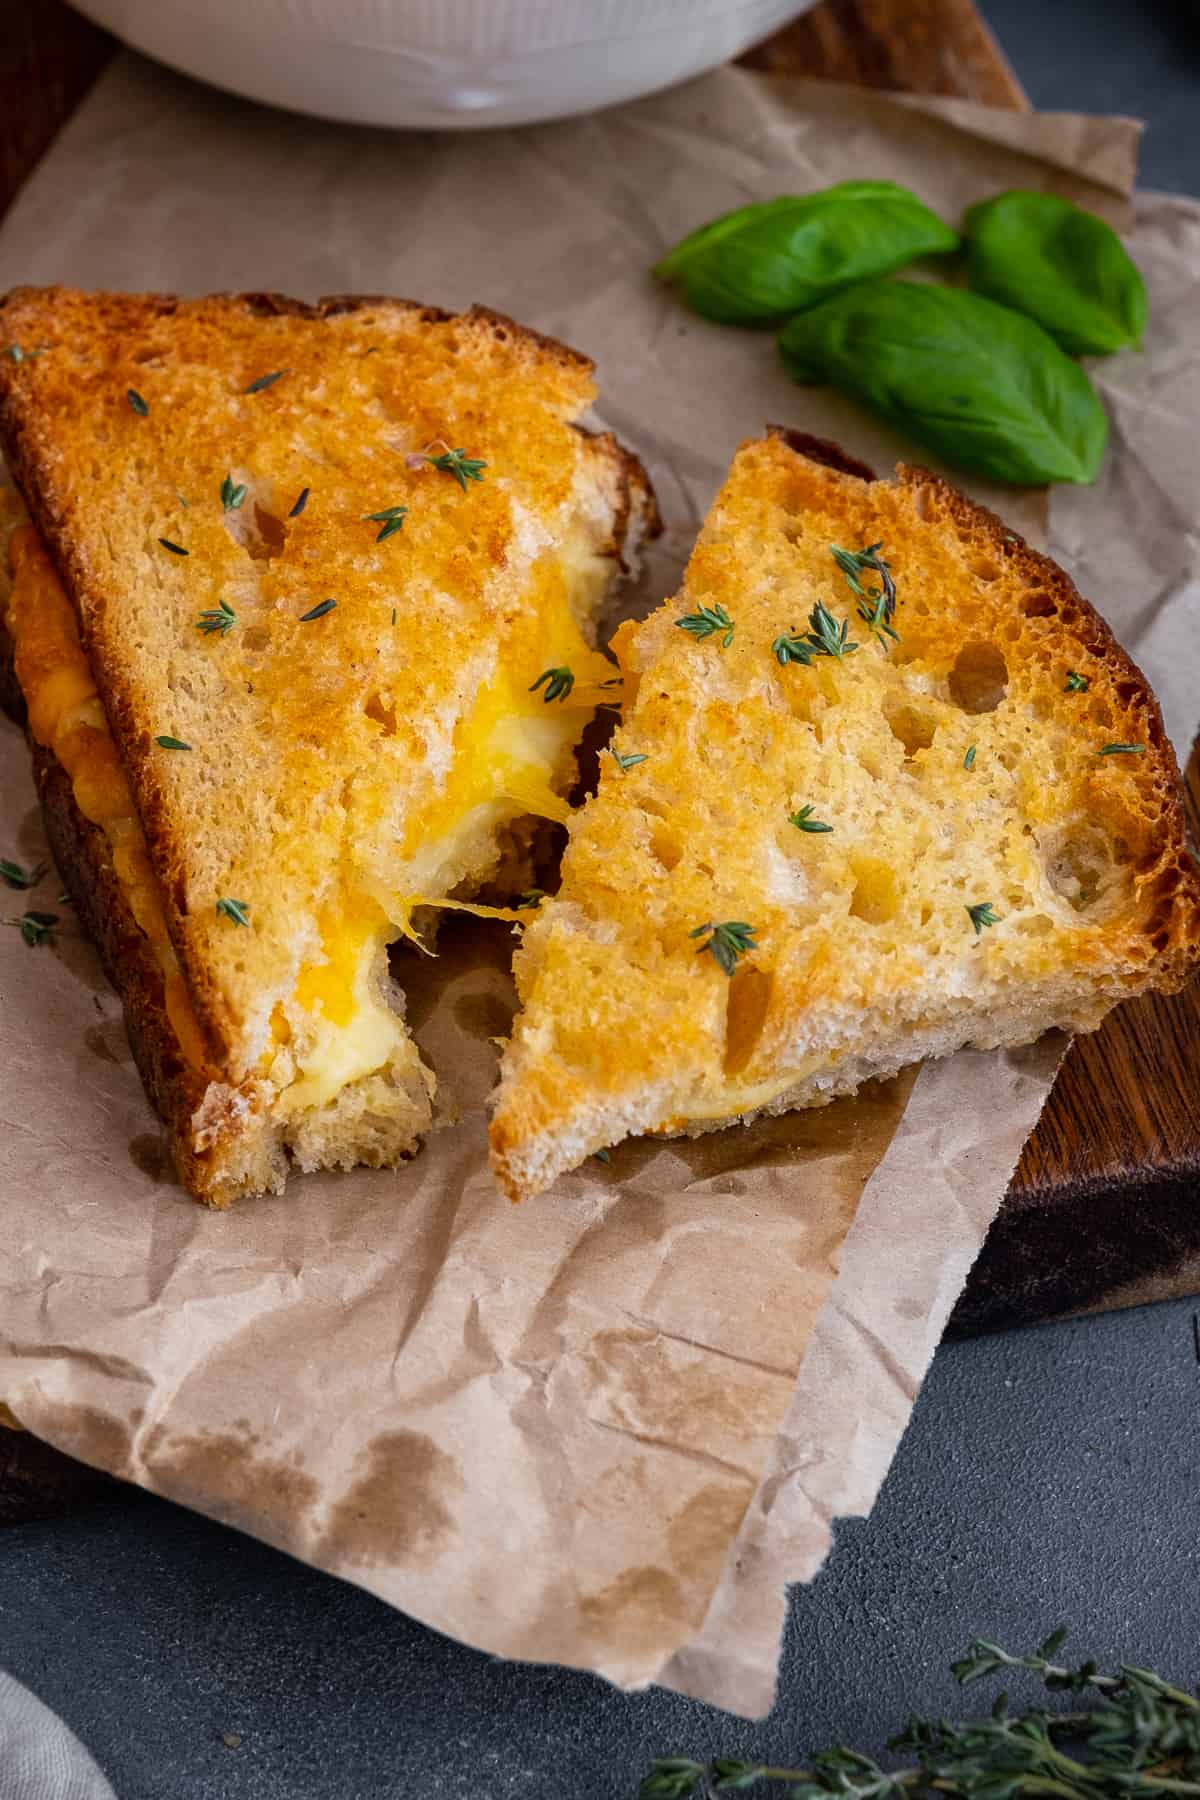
[
  {"x": 765, "y": 261},
  {"x": 980, "y": 385},
  {"x": 1063, "y": 266}
]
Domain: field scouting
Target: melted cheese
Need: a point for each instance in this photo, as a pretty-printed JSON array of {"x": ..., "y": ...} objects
[
  {"x": 508, "y": 750},
  {"x": 735, "y": 1098},
  {"x": 67, "y": 718},
  {"x": 350, "y": 1030},
  {"x": 512, "y": 743}
]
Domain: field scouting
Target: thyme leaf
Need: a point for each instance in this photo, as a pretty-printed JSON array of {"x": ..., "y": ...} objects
[
  {"x": 804, "y": 821},
  {"x": 726, "y": 942},
  {"x": 14, "y": 876},
  {"x": 265, "y": 381},
  {"x": 558, "y": 682},
  {"x": 853, "y": 563},
  {"x": 706, "y": 621},
  {"x": 983, "y": 914},
  {"x": 35, "y": 927},
  {"x": 220, "y": 618}
]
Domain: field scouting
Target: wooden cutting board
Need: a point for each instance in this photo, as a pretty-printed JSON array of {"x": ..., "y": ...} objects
[{"x": 1104, "y": 1209}]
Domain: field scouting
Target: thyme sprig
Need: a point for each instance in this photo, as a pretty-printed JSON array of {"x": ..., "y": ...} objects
[
  {"x": 390, "y": 519},
  {"x": 1143, "y": 1738},
  {"x": 220, "y": 618},
  {"x": 558, "y": 683},
  {"x": 706, "y": 621},
  {"x": 464, "y": 468},
  {"x": 853, "y": 563},
  {"x": 824, "y": 637},
  {"x": 235, "y": 910},
  {"x": 726, "y": 943},
  {"x": 1076, "y": 684},
  {"x": 626, "y": 762},
  {"x": 14, "y": 876},
  {"x": 790, "y": 647},
  {"x": 232, "y": 494},
  {"x": 804, "y": 821},
  {"x": 1122, "y": 750},
  {"x": 35, "y": 927},
  {"x": 983, "y": 914},
  {"x": 874, "y": 616}
]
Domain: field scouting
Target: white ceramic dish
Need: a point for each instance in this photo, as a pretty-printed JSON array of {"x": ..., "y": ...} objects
[{"x": 445, "y": 64}]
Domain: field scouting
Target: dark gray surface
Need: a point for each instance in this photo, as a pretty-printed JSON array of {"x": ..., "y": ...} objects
[
  {"x": 1046, "y": 1475},
  {"x": 1114, "y": 56}
]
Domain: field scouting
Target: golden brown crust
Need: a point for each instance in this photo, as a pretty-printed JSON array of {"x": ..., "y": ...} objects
[
  {"x": 46, "y": 451},
  {"x": 823, "y": 451},
  {"x": 1172, "y": 927},
  {"x": 83, "y": 859}
]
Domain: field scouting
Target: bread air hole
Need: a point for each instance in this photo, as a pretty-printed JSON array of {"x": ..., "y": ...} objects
[
  {"x": 260, "y": 534},
  {"x": 876, "y": 898},
  {"x": 383, "y": 714},
  {"x": 910, "y": 724},
  {"x": 978, "y": 681},
  {"x": 745, "y": 1015},
  {"x": 1084, "y": 866},
  {"x": 983, "y": 568},
  {"x": 665, "y": 846},
  {"x": 1038, "y": 605}
]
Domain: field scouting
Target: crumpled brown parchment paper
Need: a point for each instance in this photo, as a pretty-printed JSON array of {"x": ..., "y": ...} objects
[{"x": 607, "y": 1427}]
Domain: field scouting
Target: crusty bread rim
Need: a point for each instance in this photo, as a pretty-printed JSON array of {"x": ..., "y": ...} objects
[{"x": 84, "y": 860}]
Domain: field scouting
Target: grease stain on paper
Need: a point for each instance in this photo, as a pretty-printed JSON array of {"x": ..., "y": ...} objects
[
  {"x": 218, "y": 1473},
  {"x": 484, "y": 1016},
  {"x": 150, "y": 1153},
  {"x": 89, "y": 1433},
  {"x": 673, "y": 1392},
  {"x": 644, "y": 1610},
  {"x": 393, "y": 1511},
  {"x": 699, "y": 1536},
  {"x": 97, "y": 1040}
]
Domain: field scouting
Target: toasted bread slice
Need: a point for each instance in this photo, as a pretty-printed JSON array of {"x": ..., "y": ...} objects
[
  {"x": 297, "y": 726},
  {"x": 924, "y": 835}
]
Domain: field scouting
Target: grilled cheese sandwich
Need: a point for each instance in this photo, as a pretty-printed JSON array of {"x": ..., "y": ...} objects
[
  {"x": 293, "y": 649},
  {"x": 866, "y": 807}
]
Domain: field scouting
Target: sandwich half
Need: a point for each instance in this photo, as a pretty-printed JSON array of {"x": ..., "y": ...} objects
[
  {"x": 302, "y": 623},
  {"x": 884, "y": 786}
]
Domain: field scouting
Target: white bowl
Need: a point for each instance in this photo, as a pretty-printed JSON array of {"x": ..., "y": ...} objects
[{"x": 445, "y": 64}]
